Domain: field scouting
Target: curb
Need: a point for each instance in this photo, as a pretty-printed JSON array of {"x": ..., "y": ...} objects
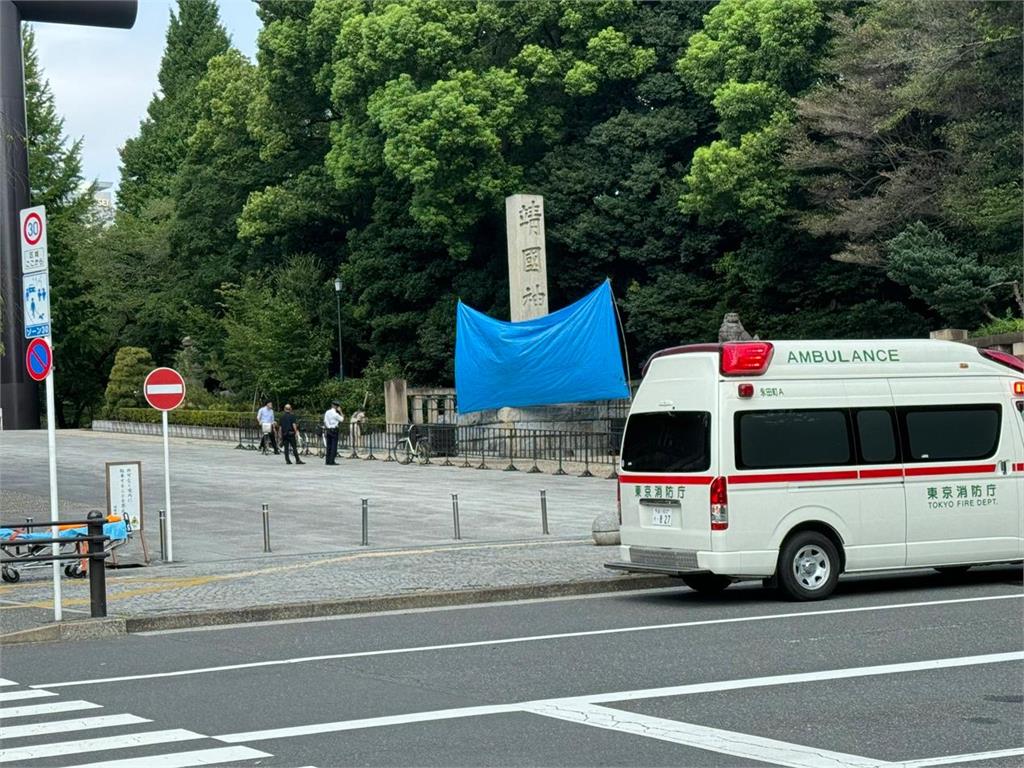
[
  {"x": 92, "y": 629},
  {"x": 80, "y": 629},
  {"x": 383, "y": 603}
]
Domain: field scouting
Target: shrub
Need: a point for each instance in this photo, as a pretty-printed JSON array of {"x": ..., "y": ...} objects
[
  {"x": 124, "y": 389},
  {"x": 1002, "y": 325},
  {"x": 229, "y": 419}
]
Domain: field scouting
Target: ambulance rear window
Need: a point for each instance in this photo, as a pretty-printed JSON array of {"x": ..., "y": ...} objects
[{"x": 667, "y": 441}]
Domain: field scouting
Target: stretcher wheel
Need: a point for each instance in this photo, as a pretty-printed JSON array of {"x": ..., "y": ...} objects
[
  {"x": 77, "y": 572},
  {"x": 67, "y": 571},
  {"x": 10, "y": 575}
]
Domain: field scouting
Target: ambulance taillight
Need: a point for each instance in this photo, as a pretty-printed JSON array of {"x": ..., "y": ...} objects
[
  {"x": 719, "y": 504},
  {"x": 1018, "y": 388},
  {"x": 745, "y": 358}
]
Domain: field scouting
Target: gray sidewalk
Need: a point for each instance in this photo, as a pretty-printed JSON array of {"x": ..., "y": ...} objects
[{"x": 317, "y": 566}]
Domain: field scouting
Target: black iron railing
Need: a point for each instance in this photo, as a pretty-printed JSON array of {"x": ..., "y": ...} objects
[{"x": 511, "y": 449}]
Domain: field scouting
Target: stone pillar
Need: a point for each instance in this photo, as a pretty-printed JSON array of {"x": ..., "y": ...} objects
[
  {"x": 527, "y": 257},
  {"x": 417, "y": 409},
  {"x": 949, "y": 334},
  {"x": 396, "y": 402}
]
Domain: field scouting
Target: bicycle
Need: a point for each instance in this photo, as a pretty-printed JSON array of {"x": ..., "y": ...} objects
[{"x": 414, "y": 446}]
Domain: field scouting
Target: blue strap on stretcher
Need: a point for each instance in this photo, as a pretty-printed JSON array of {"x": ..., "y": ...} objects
[{"x": 116, "y": 531}]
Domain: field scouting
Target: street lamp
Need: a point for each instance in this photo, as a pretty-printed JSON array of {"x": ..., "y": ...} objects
[{"x": 337, "y": 297}]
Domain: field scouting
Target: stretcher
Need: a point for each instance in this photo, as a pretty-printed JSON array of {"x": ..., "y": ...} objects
[{"x": 24, "y": 545}]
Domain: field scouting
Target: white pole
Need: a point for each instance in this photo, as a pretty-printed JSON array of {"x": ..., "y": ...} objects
[
  {"x": 51, "y": 442},
  {"x": 167, "y": 489}
]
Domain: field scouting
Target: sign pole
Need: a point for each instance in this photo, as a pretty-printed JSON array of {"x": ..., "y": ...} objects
[
  {"x": 167, "y": 488},
  {"x": 51, "y": 441}
]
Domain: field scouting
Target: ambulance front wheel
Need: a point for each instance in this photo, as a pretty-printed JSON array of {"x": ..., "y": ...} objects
[{"x": 808, "y": 566}]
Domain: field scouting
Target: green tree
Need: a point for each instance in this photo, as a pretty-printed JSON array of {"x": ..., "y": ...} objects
[
  {"x": 275, "y": 344},
  {"x": 151, "y": 160},
  {"x": 124, "y": 390},
  {"x": 909, "y": 151}
]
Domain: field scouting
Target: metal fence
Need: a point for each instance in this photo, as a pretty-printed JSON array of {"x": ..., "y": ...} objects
[{"x": 559, "y": 452}]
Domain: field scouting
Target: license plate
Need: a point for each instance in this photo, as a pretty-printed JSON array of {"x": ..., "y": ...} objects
[{"x": 662, "y": 517}]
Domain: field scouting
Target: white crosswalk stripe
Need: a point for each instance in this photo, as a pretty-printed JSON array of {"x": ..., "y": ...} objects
[
  {"x": 70, "y": 751},
  {"x": 69, "y": 726},
  {"x": 146, "y": 738},
  {"x": 19, "y": 695},
  {"x": 183, "y": 759},
  {"x": 50, "y": 708}
]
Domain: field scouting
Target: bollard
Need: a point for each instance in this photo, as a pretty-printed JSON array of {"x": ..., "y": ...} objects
[
  {"x": 366, "y": 523},
  {"x": 97, "y": 568},
  {"x": 163, "y": 534},
  {"x": 266, "y": 527},
  {"x": 511, "y": 451},
  {"x": 455, "y": 516},
  {"x": 544, "y": 512}
]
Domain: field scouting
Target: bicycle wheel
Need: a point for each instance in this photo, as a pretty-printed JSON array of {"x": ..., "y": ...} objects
[{"x": 423, "y": 451}]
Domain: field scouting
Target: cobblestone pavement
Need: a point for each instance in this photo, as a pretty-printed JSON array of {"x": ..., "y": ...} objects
[{"x": 288, "y": 580}]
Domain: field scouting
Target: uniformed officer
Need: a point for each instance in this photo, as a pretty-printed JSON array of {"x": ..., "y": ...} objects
[{"x": 333, "y": 418}]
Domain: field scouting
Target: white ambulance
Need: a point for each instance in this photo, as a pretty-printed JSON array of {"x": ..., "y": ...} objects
[{"x": 795, "y": 461}]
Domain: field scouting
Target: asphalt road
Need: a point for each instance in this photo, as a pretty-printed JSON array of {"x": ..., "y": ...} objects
[{"x": 912, "y": 670}]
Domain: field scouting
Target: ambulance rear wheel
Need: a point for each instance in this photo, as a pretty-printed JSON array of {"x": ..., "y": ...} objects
[
  {"x": 808, "y": 566},
  {"x": 707, "y": 583}
]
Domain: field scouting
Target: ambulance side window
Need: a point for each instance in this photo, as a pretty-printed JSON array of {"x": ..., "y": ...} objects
[
  {"x": 793, "y": 438},
  {"x": 950, "y": 432},
  {"x": 876, "y": 435}
]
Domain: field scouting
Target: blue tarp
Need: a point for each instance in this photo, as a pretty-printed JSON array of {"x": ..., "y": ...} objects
[{"x": 568, "y": 356}]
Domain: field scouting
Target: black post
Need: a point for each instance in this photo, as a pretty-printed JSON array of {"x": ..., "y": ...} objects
[
  {"x": 366, "y": 523},
  {"x": 97, "y": 566},
  {"x": 544, "y": 512},
  {"x": 511, "y": 451},
  {"x": 559, "y": 471},
  {"x": 455, "y": 516},
  {"x": 586, "y": 455},
  {"x": 266, "y": 528},
  {"x": 534, "y": 469}
]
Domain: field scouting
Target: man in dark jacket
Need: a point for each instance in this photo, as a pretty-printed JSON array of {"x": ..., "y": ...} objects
[{"x": 289, "y": 434}]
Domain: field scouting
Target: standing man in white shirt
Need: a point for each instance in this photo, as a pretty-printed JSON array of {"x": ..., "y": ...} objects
[
  {"x": 265, "y": 418},
  {"x": 333, "y": 418}
]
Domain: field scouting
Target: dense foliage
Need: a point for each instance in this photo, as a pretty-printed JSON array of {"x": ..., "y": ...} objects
[{"x": 826, "y": 169}]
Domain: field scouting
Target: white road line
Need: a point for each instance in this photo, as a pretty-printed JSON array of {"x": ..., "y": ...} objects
[
  {"x": 526, "y": 639},
  {"x": 182, "y": 759},
  {"x": 605, "y": 698},
  {"x": 740, "y": 745},
  {"x": 4, "y": 682},
  {"x": 17, "y": 754},
  {"x": 68, "y": 726},
  {"x": 6, "y": 713},
  {"x": 18, "y": 695},
  {"x": 370, "y": 722},
  {"x": 954, "y": 759}
]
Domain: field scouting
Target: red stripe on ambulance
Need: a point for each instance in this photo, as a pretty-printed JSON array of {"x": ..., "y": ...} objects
[
  {"x": 794, "y": 477},
  {"x": 665, "y": 479},
  {"x": 962, "y": 469}
]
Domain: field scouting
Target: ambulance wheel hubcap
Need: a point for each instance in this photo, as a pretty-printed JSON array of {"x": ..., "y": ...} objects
[{"x": 811, "y": 567}]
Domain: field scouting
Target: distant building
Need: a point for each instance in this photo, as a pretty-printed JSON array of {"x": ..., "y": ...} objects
[{"x": 103, "y": 201}]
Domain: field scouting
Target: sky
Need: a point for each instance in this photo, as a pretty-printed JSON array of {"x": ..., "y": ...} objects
[{"x": 103, "y": 79}]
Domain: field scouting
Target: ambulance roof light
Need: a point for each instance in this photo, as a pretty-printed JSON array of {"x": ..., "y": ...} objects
[{"x": 746, "y": 358}]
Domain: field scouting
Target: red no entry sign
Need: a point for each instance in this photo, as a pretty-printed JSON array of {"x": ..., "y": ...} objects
[
  {"x": 38, "y": 359},
  {"x": 164, "y": 389}
]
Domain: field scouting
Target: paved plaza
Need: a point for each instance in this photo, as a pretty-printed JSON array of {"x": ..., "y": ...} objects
[
  {"x": 217, "y": 493},
  {"x": 317, "y": 557}
]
